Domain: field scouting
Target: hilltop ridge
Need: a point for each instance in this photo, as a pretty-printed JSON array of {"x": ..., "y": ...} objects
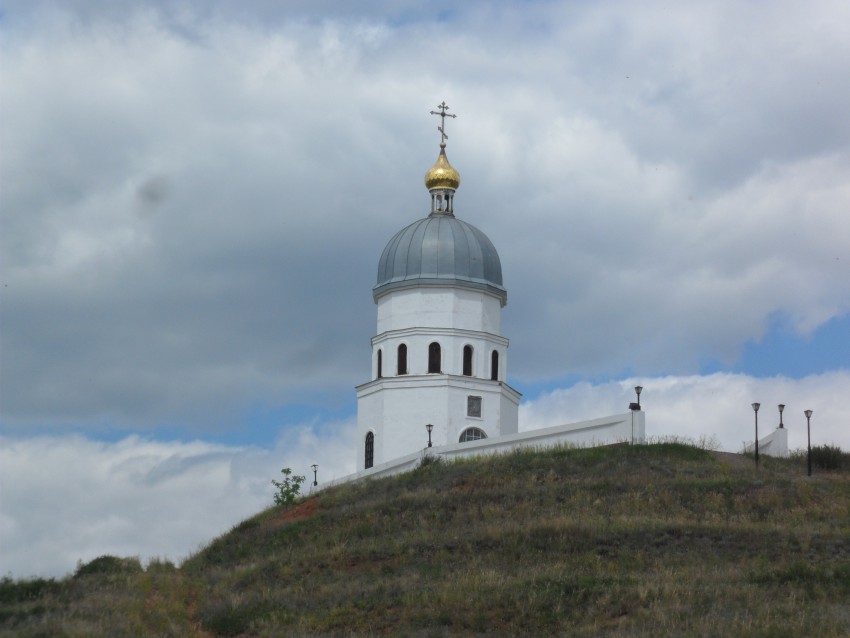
[{"x": 648, "y": 540}]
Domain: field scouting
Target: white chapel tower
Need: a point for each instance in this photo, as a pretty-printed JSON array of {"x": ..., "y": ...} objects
[{"x": 438, "y": 357}]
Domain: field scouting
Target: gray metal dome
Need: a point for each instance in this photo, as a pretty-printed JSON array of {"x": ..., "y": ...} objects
[{"x": 440, "y": 250}]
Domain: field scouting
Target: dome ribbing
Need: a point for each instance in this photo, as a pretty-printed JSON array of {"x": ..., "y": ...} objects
[{"x": 440, "y": 250}]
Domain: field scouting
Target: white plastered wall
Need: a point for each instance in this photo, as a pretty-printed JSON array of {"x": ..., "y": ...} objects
[
  {"x": 439, "y": 307},
  {"x": 774, "y": 444},
  {"x": 397, "y": 409},
  {"x": 619, "y": 428},
  {"x": 451, "y": 343}
]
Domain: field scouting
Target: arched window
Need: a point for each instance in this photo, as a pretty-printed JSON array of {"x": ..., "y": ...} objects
[
  {"x": 494, "y": 366},
  {"x": 370, "y": 450},
  {"x": 472, "y": 434},
  {"x": 380, "y": 363},
  {"x": 402, "y": 359},
  {"x": 467, "y": 361},
  {"x": 434, "y": 363}
]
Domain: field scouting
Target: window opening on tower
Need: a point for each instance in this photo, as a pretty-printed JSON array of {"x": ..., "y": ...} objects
[
  {"x": 434, "y": 356},
  {"x": 402, "y": 359},
  {"x": 467, "y": 361},
  {"x": 494, "y": 366},
  {"x": 370, "y": 450}
]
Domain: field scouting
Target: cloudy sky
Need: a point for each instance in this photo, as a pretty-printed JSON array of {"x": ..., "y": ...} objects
[{"x": 194, "y": 197}]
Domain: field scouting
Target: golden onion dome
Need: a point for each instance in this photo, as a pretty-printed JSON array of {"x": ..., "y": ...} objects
[{"x": 442, "y": 174}]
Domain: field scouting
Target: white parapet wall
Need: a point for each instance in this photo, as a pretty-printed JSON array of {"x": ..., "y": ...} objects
[
  {"x": 774, "y": 444},
  {"x": 619, "y": 428}
]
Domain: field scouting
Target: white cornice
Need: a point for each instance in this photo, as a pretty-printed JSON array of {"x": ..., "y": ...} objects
[{"x": 446, "y": 332}]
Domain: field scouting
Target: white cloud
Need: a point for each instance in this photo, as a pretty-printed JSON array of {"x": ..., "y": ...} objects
[
  {"x": 717, "y": 405},
  {"x": 69, "y": 498},
  {"x": 195, "y": 200}
]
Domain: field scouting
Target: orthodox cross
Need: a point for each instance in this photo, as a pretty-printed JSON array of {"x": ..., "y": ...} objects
[{"x": 443, "y": 115}]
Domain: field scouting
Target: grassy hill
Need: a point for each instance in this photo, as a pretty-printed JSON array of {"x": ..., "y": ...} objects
[{"x": 654, "y": 540}]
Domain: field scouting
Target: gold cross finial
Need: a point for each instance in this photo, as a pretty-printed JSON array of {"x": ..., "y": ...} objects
[{"x": 442, "y": 128}]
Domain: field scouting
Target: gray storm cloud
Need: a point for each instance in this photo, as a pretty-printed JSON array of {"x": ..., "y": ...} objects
[{"x": 194, "y": 203}]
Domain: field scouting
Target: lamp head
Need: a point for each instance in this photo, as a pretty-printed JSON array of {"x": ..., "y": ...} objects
[
  {"x": 756, "y": 406},
  {"x": 638, "y": 390},
  {"x": 429, "y": 427},
  {"x": 781, "y": 407},
  {"x": 808, "y": 414},
  {"x": 314, "y": 467}
]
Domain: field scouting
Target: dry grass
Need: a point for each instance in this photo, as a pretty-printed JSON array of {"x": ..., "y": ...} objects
[{"x": 657, "y": 540}]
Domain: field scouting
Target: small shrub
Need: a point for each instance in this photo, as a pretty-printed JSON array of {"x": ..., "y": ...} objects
[
  {"x": 824, "y": 457},
  {"x": 288, "y": 489},
  {"x": 108, "y": 565},
  {"x": 12, "y": 592},
  {"x": 829, "y": 457},
  {"x": 428, "y": 459},
  {"x": 159, "y": 565},
  {"x": 234, "y": 617}
]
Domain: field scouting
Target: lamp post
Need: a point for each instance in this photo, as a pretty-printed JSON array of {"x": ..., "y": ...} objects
[
  {"x": 781, "y": 408},
  {"x": 808, "y": 414},
  {"x": 429, "y": 427},
  {"x": 315, "y": 469},
  {"x": 756, "y": 407},
  {"x": 636, "y": 405}
]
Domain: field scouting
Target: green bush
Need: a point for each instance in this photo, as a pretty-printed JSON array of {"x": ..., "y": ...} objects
[
  {"x": 288, "y": 489},
  {"x": 234, "y": 618},
  {"x": 20, "y": 591},
  {"x": 824, "y": 457},
  {"x": 160, "y": 566},
  {"x": 428, "y": 460},
  {"x": 108, "y": 565},
  {"x": 829, "y": 457}
]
